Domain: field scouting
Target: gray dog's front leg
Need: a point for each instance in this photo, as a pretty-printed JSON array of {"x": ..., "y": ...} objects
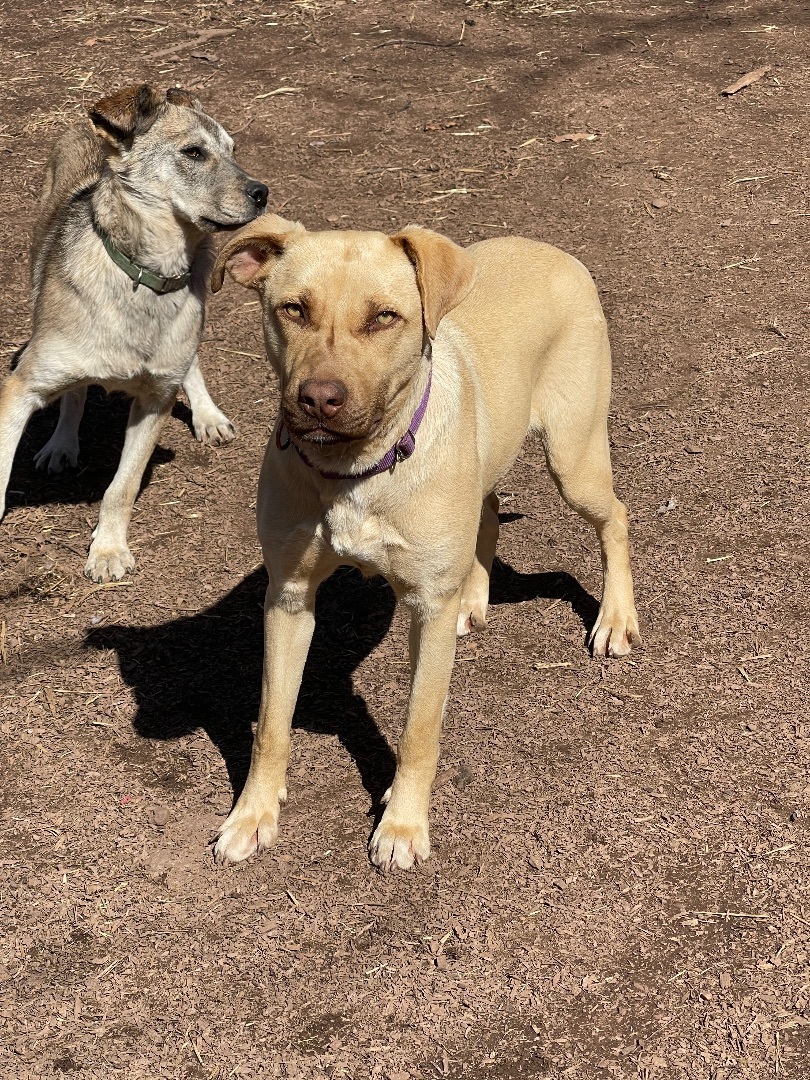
[
  {"x": 211, "y": 425},
  {"x": 63, "y": 446},
  {"x": 109, "y": 558}
]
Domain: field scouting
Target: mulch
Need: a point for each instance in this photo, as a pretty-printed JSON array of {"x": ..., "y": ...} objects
[{"x": 619, "y": 879}]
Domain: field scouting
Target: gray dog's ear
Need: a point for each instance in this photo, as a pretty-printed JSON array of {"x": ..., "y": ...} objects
[
  {"x": 127, "y": 113},
  {"x": 246, "y": 257},
  {"x": 176, "y": 95},
  {"x": 444, "y": 271}
]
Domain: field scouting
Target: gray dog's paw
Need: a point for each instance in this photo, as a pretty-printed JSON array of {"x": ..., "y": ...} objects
[
  {"x": 212, "y": 427},
  {"x": 110, "y": 564},
  {"x": 55, "y": 455}
]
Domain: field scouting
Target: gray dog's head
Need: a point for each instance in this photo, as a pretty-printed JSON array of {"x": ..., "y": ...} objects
[{"x": 163, "y": 147}]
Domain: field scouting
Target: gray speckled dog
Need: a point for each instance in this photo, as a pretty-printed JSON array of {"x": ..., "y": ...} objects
[{"x": 119, "y": 261}]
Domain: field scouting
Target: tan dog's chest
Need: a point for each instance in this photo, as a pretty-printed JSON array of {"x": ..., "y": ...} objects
[
  {"x": 360, "y": 537},
  {"x": 415, "y": 566}
]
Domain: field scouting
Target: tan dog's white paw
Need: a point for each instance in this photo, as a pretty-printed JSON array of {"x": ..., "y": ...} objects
[
  {"x": 247, "y": 831},
  {"x": 470, "y": 621},
  {"x": 472, "y": 612},
  {"x": 615, "y": 634},
  {"x": 398, "y": 846},
  {"x": 108, "y": 564},
  {"x": 212, "y": 427}
]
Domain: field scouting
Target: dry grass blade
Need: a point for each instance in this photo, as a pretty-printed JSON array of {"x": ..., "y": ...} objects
[
  {"x": 98, "y": 588},
  {"x": 192, "y": 43},
  {"x": 420, "y": 41},
  {"x": 574, "y": 137},
  {"x": 280, "y": 90}
]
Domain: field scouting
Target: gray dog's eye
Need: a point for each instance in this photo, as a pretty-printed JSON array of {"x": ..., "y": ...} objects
[{"x": 196, "y": 153}]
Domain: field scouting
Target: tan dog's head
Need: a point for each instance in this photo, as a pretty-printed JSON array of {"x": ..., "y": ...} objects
[{"x": 345, "y": 316}]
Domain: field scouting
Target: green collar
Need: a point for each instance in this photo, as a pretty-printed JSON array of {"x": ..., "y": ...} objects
[{"x": 139, "y": 274}]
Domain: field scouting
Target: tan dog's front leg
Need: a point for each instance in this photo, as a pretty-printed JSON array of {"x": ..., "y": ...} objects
[
  {"x": 402, "y": 839},
  {"x": 252, "y": 825}
]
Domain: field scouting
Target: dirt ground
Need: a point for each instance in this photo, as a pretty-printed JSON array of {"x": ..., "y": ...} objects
[{"x": 619, "y": 880}]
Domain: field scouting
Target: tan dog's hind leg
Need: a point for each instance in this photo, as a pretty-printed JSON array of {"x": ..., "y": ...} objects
[
  {"x": 582, "y": 472},
  {"x": 402, "y": 838},
  {"x": 252, "y": 825},
  {"x": 63, "y": 446},
  {"x": 109, "y": 558},
  {"x": 475, "y": 594}
]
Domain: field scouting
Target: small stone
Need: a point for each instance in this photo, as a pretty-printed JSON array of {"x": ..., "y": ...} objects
[
  {"x": 463, "y": 778},
  {"x": 157, "y": 863},
  {"x": 161, "y": 815}
]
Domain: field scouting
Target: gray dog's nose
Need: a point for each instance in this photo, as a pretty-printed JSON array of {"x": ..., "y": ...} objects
[
  {"x": 322, "y": 398},
  {"x": 257, "y": 193}
]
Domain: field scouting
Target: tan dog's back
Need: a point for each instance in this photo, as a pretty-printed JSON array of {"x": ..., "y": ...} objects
[{"x": 538, "y": 338}]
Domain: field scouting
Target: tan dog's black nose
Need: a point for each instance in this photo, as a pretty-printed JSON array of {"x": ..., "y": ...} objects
[{"x": 322, "y": 398}]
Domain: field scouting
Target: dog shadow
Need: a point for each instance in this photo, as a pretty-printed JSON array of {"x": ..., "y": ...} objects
[
  {"x": 509, "y": 586},
  {"x": 204, "y": 671}
]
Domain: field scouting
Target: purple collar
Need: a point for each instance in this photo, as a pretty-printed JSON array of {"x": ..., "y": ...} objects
[{"x": 398, "y": 452}]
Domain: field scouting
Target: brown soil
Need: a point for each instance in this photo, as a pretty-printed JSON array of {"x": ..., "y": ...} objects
[{"x": 619, "y": 879}]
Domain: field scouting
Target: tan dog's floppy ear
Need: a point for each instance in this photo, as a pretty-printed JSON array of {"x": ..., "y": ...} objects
[
  {"x": 444, "y": 271},
  {"x": 176, "y": 95},
  {"x": 129, "y": 112},
  {"x": 247, "y": 255}
]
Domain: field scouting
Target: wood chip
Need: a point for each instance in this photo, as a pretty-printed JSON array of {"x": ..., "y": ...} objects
[
  {"x": 51, "y": 700},
  {"x": 746, "y": 80}
]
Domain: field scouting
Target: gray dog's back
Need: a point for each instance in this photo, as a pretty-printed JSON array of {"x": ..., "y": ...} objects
[{"x": 74, "y": 164}]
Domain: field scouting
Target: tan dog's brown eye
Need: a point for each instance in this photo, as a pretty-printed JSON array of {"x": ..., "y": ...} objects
[
  {"x": 295, "y": 311},
  {"x": 385, "y": 318}
]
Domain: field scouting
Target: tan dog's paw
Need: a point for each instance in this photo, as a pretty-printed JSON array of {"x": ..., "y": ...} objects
[
  {"x": 472, "y": 612},
  {"x": 470, "y": 621},
  {"x": 246, "y": 832},
  {"x": 212, "y": 427},
  {"x": 615, "y": 634},
  {"x": 397, "y": 846},
  {"x": 109, "y": 564}
]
